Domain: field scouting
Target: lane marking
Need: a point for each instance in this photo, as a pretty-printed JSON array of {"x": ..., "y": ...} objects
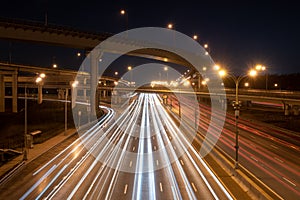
[
  {"x": 274, "y": 146},
  {"x": 253, "y": 158},
  {"x": 278, "y": 159},
  {"x": 153, "y": 137},
  {"x": 289, "y": 181},
  {"x": 154, "y": 148},
  {"x": 294, "y": 147},
  {"x": 174, "y": 148},
  {"x": 194, "y": 187},
  {"x": 252, "y": 136},
  {"x": 160, "y": 186},
  {"x": 133, "y": 148},
  {"x": 130, "y": 164},
  {"x": 157, "y": 163},
  {"x": 125, "y": 188},
  {"x": 181, "y": 162}
]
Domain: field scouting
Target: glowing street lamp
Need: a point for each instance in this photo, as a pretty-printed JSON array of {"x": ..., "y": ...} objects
[
  {"x": 170, "y": 26},
  {"x": 123, "y": 12},
  {"x": 222, "y": 73},
  {"x": 129, "y": 69},
  {"x": 246, "y": 84},
  {"x": 54, "y": 66},
  {"x": 216, "y": 67},
  {"x": 236, "y": 104},
  {"x": 263, "y": 68},
  {"x": 195, "y": 37}
]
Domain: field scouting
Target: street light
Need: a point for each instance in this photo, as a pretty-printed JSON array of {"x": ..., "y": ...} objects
[
  {"x": 195, "y": 37},
  {"x": 129, "y": 69},
  {"x": 170, "y": 26},
  {"x": 236, "y": 105},
  {"x": 39, "y": 82},
  {"x": 166, "y": 70},
  {"x": 123, "y": 12},
  {"x": 263, "y": 68}
]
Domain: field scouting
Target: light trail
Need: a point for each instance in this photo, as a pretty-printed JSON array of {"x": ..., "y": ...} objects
[{"x": 98, "y": 156}]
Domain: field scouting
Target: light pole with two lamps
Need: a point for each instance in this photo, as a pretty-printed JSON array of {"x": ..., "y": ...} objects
[
  {"x": 236, "y": 104},
  {"x": 39, "y": 81}
]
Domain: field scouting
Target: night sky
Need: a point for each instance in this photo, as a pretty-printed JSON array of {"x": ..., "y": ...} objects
[{"x": 240, "y": 33}]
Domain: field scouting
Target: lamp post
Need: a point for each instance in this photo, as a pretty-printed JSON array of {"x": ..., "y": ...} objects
[
  {"x": 66, "y": 111},
  {"x": 129, "y": 69},
  {"x": 236, "y": 105},
  {"x": 263, "y": 68},
  {"x": 123, "y": 12},
  {"x": 25, "y": 127},
  {"x": 166, "y": 70},
  {"x": 39, "y": 81}
]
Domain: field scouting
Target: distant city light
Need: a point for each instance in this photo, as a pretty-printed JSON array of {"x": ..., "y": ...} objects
[
  {"x": 54, "y": 65},
  {"x": 186, "y": 83},
  {"x": 246, "y": 84},
  {"x": 42, "y": 75},
  {"x": 122, "y": 12},
  {"x": 78, "y": 54},
  {"x": 216, "y": 67}
]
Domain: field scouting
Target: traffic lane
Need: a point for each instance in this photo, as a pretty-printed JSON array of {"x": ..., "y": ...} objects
[
  {"x": 24, "y": 179},
  {"x": 248, "y": 155}
]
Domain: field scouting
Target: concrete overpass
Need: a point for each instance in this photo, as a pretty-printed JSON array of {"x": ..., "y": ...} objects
[
  {"x": 11, "y": 77},
  {"x": 35, "y": 32}
]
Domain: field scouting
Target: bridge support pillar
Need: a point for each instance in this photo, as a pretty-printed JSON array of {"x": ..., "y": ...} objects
[
  {"x": 73, "y": 93},
  {"x": 224, "y": 104},
  {"x": 94, "y": 92},
  {"x": 40, "y": 94},
  {"x": 2, "y": 93},
  {"x": 15, "y": 92},
  {"x": 199, "y": 83},
  {"x": 286, "y": 109},
  {"x": 84, "y": 90}
]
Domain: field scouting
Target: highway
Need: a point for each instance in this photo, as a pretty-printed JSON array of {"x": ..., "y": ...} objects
[
  {"x": 270, "y": 153},
  {"x": 142, "y": 154}
]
